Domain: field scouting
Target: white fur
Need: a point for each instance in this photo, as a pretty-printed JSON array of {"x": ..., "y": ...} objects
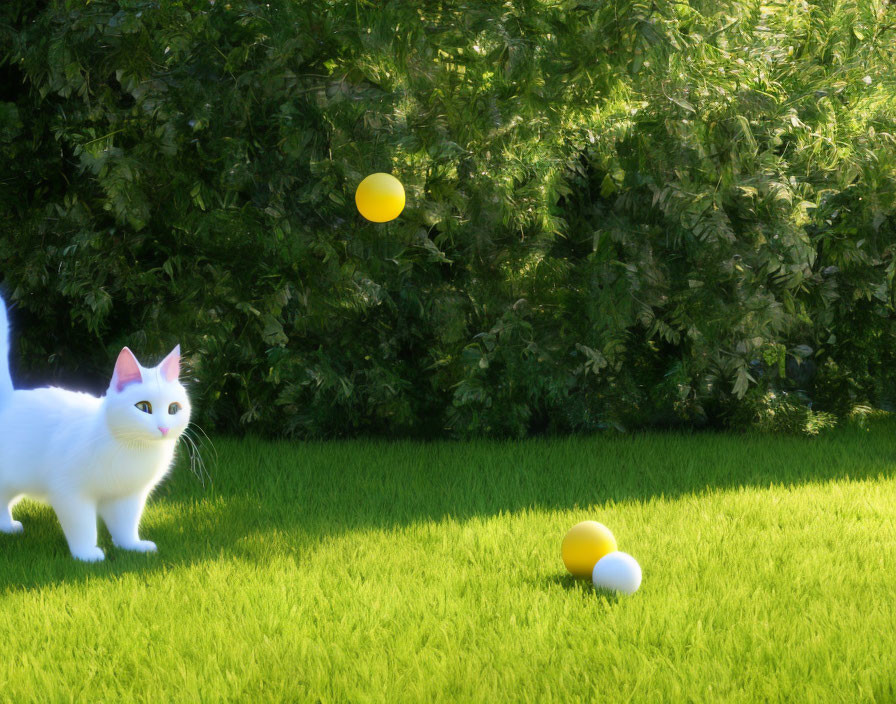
[{"x": 86, "y": 455}]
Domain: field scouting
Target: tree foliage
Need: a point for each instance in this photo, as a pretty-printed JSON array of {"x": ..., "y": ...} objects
[{"x": 619, "y": 213}]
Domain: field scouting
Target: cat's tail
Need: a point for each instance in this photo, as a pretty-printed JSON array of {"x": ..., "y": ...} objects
[{"x": 5, "y": 378}]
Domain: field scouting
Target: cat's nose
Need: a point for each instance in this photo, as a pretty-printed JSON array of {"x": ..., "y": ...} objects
[{"x": 163, "y": 430}]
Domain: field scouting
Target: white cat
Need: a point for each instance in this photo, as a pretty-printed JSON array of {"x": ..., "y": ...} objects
[{"x": 86, "y": 455}]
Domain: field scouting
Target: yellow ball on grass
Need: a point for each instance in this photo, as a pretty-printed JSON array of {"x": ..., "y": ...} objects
[
  {"x": 380, "y": 197},
  {"x": 585, "y": 544}
]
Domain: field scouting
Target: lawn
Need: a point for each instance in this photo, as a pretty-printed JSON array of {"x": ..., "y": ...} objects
[{"x": 377, "y": 571}]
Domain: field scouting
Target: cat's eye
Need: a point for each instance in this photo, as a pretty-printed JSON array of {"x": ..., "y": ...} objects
[
  {"x": 144, "y": 406},
  {"x": 173, "y": 408}
]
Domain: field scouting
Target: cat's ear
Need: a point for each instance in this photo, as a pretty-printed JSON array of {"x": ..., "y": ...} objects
[
  {"x": 127, "y": 370},
  {"x": 170, "y": 366}
]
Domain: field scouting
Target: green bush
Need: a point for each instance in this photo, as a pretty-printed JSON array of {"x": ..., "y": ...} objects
[
  {"x": 783, "y": 413},
  {"x": 619, "y": 214}
]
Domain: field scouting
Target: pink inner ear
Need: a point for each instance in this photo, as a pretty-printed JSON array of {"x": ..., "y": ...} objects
[
  {"x": 127, "y": 371},
  {"x": 170, "y": 366}
]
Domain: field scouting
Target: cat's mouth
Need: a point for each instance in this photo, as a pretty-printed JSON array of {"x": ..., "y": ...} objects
[{"x": 145, "y": 439}]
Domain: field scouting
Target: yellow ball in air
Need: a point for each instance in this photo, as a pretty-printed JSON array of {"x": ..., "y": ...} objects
[
  {"x": 380, "y": 197},
  {"x": 584, "y": 545}
]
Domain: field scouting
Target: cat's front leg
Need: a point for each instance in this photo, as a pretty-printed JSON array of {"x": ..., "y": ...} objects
[
  {"x": 122, "y": 518},
  {"x": 77, "y": 516}
]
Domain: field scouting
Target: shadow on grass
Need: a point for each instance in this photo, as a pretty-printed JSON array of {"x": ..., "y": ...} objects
[
  {"x": 583, "y": 586},
  {"x": 302, "y": 493},
  {"x": 186, "y": 533}
]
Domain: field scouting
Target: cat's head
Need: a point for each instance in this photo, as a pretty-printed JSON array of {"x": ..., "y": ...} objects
[{"x": 147, "y": 404}]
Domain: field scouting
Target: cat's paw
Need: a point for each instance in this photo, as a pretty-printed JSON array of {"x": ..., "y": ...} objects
[
  {"x": 140, "y": 546},
  {"x": 93, "y": 554},
  {"x": 13, "y": 527}
]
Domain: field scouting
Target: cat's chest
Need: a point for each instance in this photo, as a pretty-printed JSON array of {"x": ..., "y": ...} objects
[{"x": 119, "y": 472}]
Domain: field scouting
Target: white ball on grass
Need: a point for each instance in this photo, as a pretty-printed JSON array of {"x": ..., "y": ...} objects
[{"x": 618, "y": 572}]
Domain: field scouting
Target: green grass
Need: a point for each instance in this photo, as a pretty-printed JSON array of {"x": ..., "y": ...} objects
[{"x": 374, "y": 571}]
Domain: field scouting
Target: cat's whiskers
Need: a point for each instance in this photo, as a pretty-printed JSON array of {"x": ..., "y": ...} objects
[
  {"x": 197, "y": 462},
  {"x": 201, "y": 443},
  {"x": 197, "y": 465},
  {"x": 192, "y": 452},
  {"x": 193, "y": 424}
]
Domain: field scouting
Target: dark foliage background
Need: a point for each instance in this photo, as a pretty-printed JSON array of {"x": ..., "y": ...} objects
[{"x": 620, "y": 214}]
